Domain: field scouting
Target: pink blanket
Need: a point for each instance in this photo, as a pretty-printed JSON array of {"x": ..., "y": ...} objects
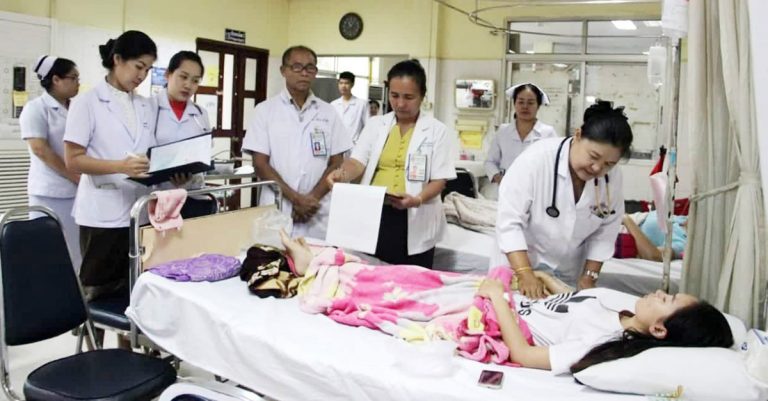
[{"x": 408, "y": 302}]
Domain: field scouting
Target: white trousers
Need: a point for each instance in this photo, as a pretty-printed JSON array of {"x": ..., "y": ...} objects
[{"x": 63, "y": 209}]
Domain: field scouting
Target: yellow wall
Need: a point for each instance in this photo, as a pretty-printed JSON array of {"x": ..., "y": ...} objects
[
  {"x": 264, "y": 21},
  {"x": 390, "y": 27},
  {"x": 419, "y": 28},
  {"x": 461, "y": 39}
]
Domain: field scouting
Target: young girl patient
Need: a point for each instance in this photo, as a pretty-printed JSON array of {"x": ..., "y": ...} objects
[{"x": 568, "y": 331}]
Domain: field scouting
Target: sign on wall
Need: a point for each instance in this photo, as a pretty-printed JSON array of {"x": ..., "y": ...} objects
[{"x": 231, "y": 35}]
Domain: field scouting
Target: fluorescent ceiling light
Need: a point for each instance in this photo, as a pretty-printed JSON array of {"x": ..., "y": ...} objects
[
  {"x": 624, "y": 25},
  {"x": 560, "y": 65},
  {"x": 529, "y": 51},
  {"x": 652, "y": 24}
]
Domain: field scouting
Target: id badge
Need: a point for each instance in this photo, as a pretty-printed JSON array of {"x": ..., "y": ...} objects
[
  {"x": 318, "y": 143},
  {"x": 417, "y": 167}
]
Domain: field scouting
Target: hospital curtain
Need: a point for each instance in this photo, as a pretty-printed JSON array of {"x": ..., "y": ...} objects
[{"x": 725, "y": 257}]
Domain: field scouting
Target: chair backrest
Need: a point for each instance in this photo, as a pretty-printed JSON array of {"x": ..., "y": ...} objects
[
  {"x": 41, "y": 296},
  {"x": 464, "y": 183},
  {"x": 199, "y": 207}
]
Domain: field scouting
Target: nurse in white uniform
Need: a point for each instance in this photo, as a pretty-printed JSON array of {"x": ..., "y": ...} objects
[
  {"x": 297, "y": 139},
  {"x": 42, "y": 122},
  {"x": 108, "y": 132},
  {"x": 561, "y": 202},
  {"x": 178, "y": 117},
  {"x": 512, "y": 139},
  {"x": 407, "y": 152}
]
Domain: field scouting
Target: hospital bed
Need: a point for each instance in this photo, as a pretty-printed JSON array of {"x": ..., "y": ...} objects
[
  {"x": 466, "y": 250},
  {"x": 270, "y": 346}
]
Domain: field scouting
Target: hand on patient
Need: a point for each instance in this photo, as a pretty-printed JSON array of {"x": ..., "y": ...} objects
[
  {"x": 298, "y": 251},
  {"x": 530, "y": 286}
]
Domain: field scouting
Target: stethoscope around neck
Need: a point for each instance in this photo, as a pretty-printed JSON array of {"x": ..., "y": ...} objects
[{"x": 599, "y": 209}]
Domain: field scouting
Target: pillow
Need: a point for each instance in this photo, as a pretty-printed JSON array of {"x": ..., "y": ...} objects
[
  {"x": 738, "y": 329},
  {"x": 702, "y": 374}
]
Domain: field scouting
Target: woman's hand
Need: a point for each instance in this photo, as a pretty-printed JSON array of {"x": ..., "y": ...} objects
[
  {"x": 135, "y": 166},
  {"x": 491, "y": 288},
  {"x": 338, "y": 175},
  {"x": 404, "y": 201},
  {"x": 530, "y": 286},
  {"x": 181, "y": 179},
  {"x": 586, "y": 282}
]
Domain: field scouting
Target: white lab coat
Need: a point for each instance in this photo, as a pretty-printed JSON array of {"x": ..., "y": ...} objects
[
  {"x": 427, "y": 222},
  {"x": 566, "y": 242},
  {"x": 278, "y": 129},
  {"x": 507, "y": 145},
  {"x": 169, "y": 128},
  {"x": 97, "y": 123},
  {"x": 45, "y": 118},
  {"x": 353, "y": 114}
]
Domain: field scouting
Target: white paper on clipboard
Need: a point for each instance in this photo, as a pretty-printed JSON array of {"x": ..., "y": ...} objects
[{"x": 355, "y": 215}]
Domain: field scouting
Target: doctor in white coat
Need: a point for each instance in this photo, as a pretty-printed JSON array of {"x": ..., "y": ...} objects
[
  {"x": 561, "y": 203},
  {"x": 512, "y": 139},
  {"x": 178, "y": 117},
  {"x": 296, "y": 140},
  {"x": 353, "y": 110},
  {"x": 108, "y": 132},
  {"x": 42, "y": 123},
  {"x": 409, "y": 153}
]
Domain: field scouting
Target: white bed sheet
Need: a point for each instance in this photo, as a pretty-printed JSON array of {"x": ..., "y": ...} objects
[
  {"x": 269, "y": 345},
  {"x": 466, "y": 250}
]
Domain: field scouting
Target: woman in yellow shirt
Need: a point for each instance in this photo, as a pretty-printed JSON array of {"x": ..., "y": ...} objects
[{"x": 408, "y": 153}]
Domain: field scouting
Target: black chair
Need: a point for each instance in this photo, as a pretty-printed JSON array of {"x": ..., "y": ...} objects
[
  {"x": 41, "y": 299},
  {"x": 464, "y": 183}
]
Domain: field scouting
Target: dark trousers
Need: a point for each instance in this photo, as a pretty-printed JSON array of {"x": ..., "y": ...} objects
[
  {"x": 105, "y": 256},
  {"x": 393, "y": 240}
]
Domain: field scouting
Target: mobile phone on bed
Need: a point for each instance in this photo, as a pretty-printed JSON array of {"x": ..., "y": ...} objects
[{"x": 491, "y": 379}]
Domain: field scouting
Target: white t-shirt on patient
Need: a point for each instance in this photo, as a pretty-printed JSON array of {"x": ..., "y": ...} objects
[{"x": 573, "y": 323}]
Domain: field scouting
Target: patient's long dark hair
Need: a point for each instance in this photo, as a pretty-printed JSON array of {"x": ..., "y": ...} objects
[{"x": 697, "y": 325}]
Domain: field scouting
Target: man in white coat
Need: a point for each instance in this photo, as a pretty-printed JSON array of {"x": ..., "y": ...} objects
[
  {"x": 296, "y": 139},
  {"x": 353, "y": 111}
]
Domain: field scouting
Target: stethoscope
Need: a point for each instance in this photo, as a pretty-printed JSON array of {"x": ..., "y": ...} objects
[{"x": 600, "y": 210}]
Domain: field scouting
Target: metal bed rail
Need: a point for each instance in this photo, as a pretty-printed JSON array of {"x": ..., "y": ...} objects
[{"x": 136, "y": 251}]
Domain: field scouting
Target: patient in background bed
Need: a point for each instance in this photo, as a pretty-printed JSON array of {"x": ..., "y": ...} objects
[
  {"x": 566, "y": 332},
  {"x": 649, "y": 239}
]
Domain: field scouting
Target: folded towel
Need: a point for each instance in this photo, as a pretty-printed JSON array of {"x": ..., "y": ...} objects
[{"x": 165, "y": 211}]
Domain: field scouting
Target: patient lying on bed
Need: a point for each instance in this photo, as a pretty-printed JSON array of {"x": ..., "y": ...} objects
[{"x": 565, "y": 332}]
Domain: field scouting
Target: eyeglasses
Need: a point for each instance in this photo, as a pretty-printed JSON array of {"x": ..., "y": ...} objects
[
  {"x": 309, "y": 68},
  {"x": 74, "y": 78}
]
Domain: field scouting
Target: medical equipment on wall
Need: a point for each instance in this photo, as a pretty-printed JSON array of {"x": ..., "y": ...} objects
[
  {"x": 472, "y": 133},
  {"x": 601, "y": 210}
]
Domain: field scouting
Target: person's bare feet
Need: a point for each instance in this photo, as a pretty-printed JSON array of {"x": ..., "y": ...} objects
[{"x": 298, "y": 250}]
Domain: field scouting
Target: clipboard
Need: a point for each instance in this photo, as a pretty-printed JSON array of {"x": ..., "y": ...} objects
[{"x": 191, "y": 155}]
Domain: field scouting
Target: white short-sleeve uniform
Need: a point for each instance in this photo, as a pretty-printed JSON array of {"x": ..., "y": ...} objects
[
  {"x": 353, "y": 114},
  {"x": 45, "y": 118},
  {"x": 281, "y": 131},
  {"x": 507, "y": 145},
  {"x": 98, "y": 123},
  {"x": 426, "y": 223},
  {"x": 193, "y": 122},
  {"x": 578, "y": 234},
  {"x": 573, "y": 323}
]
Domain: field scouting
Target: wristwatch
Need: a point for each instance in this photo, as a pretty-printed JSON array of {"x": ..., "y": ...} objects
[{"x": 592, "y": 274}]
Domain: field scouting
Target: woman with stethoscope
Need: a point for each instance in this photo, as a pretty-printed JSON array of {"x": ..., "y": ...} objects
[
  {"x": 512, "y": 139},
  {"x": 109, "y": 131},
  {"x": 408, "y": 153},
  {"x": 178, "y": 117},
  {"x": 561, "y": 202},
  {"x": 42, "y": 123}
]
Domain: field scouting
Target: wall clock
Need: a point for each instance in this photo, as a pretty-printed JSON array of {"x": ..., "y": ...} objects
[{"x": 350, "y": 26}]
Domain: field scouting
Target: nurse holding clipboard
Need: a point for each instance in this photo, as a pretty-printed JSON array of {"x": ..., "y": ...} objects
[{"x": 561, "y": 202}]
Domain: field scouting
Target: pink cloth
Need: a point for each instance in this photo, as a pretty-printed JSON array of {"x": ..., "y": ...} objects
[
  {"x": 165, "y": 211},
  {"x": 488, "y": 346}
]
